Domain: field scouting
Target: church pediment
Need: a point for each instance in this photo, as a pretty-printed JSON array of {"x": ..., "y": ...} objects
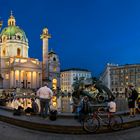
[{"x": 28, "y": 64}]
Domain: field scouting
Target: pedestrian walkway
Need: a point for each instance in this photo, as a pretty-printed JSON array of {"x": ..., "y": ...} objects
[{"x": 65, "y": 122}]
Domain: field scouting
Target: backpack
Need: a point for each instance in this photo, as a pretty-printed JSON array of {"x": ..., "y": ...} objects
[
  {"x": 135, "y": 94},
  {"x": 53, "y": 115},
  {"x": 85, "y": 108}
]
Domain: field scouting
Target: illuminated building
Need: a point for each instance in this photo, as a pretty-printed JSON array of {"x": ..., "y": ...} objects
[
  {"x": 17, "y": 68},
  {"x": 68, "y": 77},
  {"x": 117, "y": 78}
]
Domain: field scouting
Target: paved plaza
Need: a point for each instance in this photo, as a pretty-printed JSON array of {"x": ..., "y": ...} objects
[{"x": 11, "y": 132}]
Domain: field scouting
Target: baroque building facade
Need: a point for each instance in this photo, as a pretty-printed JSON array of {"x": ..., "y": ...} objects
[{"x": 17, "y": 68}]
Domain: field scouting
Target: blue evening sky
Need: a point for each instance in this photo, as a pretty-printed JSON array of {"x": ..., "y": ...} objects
[{"x": 85, "y": 33}]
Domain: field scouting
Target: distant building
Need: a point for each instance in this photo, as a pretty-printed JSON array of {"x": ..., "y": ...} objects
[
  {"x": 117, "y": 78},
  {"x": 68, "y": 77},
  {"x": 17, "y": 69}
]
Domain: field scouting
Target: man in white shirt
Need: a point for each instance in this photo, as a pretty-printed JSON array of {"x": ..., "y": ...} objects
[{"x": 45, "y": 94}]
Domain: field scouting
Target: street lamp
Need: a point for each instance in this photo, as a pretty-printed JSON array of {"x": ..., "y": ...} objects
[{"x": 1, "y": 78}]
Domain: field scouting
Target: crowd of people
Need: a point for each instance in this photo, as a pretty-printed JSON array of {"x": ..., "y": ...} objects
[
  {"x": 81, "y": 106},
  {"x": 30, "y": 106}
]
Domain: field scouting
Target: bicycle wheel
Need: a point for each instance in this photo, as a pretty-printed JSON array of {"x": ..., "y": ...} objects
[
  {"x": 116, "y": 122},
  {"x": 91, "y": 124}
]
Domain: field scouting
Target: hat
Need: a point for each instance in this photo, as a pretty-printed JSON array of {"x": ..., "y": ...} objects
[{"x": 131, "y": 86}]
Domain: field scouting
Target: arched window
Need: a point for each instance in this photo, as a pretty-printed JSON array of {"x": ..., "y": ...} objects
[
  {"x": 18, "y": 37},
  {"x": 18, "y": 51},
  {"x": 4, "y": 52},
  {"x": 54, "y": 59},
  {"x": 54, "y": 69}
]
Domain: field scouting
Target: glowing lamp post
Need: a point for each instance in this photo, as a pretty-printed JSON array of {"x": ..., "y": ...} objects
[{"x": 54, "y": 102}]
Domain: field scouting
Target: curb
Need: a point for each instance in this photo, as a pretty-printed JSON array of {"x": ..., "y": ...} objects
[{"x": 56, "y": 128}]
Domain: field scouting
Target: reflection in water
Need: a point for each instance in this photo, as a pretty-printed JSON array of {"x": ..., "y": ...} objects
[
  {"x": 23, "y": 102},
  {"x": 63, "y": 104}
]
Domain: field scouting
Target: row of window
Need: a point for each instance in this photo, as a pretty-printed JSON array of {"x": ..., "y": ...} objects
[
  {"x": 18, "y": 52},
  {"x": 122, "y": 71},
  {"x": 117, "y": 89},
  {"x": 76, "y": 75},
  {"x": 132, "y": 77},
  {"x": 17, "y": 37}
]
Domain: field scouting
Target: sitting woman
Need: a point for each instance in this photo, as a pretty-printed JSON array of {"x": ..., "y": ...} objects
[
  {"x": 34, "y": 109},
  {"x": 18, "y": 111}
]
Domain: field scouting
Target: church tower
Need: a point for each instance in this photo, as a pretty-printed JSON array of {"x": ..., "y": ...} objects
[{"x": 45, "y": 70}]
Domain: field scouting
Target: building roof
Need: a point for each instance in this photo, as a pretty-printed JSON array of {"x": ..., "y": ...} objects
[
  {"x": 75, "y": 69},
  {"x": 12, "y": 31},
  {"x": 51, "y": 52}
]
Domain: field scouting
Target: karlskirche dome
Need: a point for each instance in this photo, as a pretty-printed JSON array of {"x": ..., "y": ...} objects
[{"x": 13, "y": 31}]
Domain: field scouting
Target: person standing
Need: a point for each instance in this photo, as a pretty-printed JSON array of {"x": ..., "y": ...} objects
[
  {"x": 45, "y": 94},
  {"x": 132, "y": 100},
  {"x": 112, "y": 105}
]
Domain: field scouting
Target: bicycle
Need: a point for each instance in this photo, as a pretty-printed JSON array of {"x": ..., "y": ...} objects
[{"x": 93, "y": 121}]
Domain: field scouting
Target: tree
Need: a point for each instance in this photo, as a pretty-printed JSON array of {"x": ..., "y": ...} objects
[{"x": 78, "y": 83}]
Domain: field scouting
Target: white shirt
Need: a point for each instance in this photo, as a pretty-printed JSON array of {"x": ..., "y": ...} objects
[
  {"x": 45, "y": 93},
  {"x": 112, "y": 106}
]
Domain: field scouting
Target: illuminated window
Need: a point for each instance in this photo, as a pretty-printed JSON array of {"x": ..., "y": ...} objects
[
  {"x": 4, "y": 52},
  {"x": 6, "y": 76},
  {"x": 34, "y": 61},
  {"x": 126, "y": 77},
  {"x": 18, "y": 51},
  {"x": 23, "y": 60},
  {"x": 16, "y": 60},
  {"x": 54, "y": 69},
  {"x": 7, "y": 63}
]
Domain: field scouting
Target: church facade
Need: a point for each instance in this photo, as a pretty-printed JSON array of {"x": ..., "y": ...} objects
[{"x": 17, "y": 68}]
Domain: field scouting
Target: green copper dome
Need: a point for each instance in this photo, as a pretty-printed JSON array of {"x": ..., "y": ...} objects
[{"x": 12, "y": 31}]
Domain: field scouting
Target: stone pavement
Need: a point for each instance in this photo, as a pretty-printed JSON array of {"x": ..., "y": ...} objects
[{"x": 65, "y": 122}]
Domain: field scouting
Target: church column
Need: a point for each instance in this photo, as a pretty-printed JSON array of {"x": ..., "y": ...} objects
[
  {"x": 45, "y": 36},
  {"x": 10, "y": 79},
  {"x": 40, "y": 78},
  {"x": 24, "y": 78},
  {"x": 19, "y": 78},
  {"x": 36, "y": 79},
  {"x": 31, "y": 79},
  {"x": 14, "y": 79}
]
